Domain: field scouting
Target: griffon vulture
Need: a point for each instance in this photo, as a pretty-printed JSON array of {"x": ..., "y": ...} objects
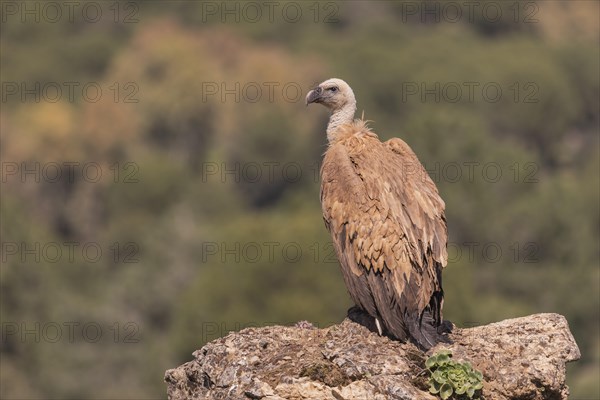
[{"x": 387, "y": 222}]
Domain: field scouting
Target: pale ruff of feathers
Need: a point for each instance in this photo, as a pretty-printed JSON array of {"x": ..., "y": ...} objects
[{"x": 344, "y": 115}]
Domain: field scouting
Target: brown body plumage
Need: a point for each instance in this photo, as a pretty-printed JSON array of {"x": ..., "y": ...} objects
[{"x": 387, "y": 222}]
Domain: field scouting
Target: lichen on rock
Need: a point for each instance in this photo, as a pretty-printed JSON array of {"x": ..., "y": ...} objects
[{"x": 521, "y": 358}]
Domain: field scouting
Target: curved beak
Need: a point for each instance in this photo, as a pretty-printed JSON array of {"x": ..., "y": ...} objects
[{"x": 313, "y": 96}]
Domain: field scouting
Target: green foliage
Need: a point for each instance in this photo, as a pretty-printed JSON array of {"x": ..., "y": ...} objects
[
  {"x": 178, "y": 296},
  {"x": 453, "y": 379}
]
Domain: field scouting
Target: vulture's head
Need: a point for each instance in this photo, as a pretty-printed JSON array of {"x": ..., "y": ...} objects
[{"x": 334, "y": 94}]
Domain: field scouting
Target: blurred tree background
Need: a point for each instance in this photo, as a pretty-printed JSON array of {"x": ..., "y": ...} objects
[{"x": 195, "y": 172}]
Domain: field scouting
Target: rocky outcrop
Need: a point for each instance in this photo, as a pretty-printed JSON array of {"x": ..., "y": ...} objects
[{"x": 521, "y": 358}]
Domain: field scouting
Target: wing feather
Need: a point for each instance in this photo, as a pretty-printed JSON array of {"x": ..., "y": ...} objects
[{"x": 388, "y": 225}]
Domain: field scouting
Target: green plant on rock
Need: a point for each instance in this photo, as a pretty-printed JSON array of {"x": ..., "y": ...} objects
[{"x": 453, "y": 379}]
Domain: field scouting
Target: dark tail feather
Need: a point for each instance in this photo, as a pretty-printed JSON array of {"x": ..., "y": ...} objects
[{"x": 426, "y": 332}]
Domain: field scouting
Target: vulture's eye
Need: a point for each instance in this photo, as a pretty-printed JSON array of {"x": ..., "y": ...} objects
[{"x": 333, "y": 89}]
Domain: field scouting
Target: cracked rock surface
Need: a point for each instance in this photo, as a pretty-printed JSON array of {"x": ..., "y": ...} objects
[{"x": 521, "y": 358}]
